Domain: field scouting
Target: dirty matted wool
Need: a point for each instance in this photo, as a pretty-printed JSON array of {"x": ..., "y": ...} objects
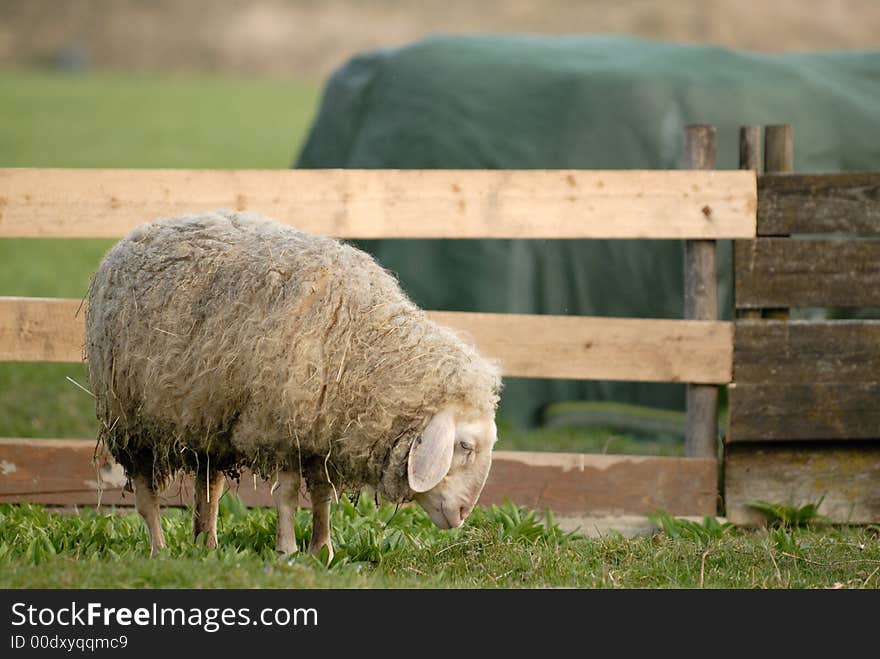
[{"x": 228, "y": 337}]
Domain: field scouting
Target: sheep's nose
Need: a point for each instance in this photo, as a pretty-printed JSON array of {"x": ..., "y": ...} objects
[
  {"x": 452, "y": 519},
  {"x": 463, "y": 512}
]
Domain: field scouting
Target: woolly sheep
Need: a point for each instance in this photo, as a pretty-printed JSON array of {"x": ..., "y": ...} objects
[{"x": 225, "y": 340}]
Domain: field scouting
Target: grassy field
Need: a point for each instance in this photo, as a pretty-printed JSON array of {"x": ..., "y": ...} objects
[
  {"x": 379, "y": 548},
  {"x": 102, "y": 120}
]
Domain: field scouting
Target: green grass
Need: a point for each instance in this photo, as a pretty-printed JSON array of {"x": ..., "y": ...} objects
[
  {"x": 590, "y": 439},
  {"x": 102, "y": 120},
  {"x": 501, "y": 547}
]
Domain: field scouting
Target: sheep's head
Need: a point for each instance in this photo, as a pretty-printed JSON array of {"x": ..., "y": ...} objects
[{"x": 449, "y": 463}]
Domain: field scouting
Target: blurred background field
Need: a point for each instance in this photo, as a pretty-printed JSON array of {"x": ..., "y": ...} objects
[
  {"x": 307, "y": 39},
  {"x": 97, "y": 119}
]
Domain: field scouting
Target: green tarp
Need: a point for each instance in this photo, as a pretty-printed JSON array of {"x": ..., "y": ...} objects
[{"x": 536, "y": 102}]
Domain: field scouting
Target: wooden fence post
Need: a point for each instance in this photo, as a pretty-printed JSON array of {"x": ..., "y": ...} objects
[
  {"x": 749, "y": 158},
  {"x": 701, "y": 303},
  {"x": 778, "y": 159},
  {"x": 778, "y": 149}
]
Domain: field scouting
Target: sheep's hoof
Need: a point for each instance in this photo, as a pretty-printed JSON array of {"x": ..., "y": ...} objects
[
  {"x": 208, "y": 539},
  {"x": 323, "y": 551},
  {"x": 286, "y": 548}
]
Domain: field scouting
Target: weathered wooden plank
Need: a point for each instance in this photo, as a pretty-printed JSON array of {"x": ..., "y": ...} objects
[
  {"x": 846, "y": 475},
  {"x": 72, "y": 471},
  {"x": 41, "y": 329},
  {"x": 701, "y": 303},
  {"x": 803, "y": 411},
  {"x": 656, "y": 350},
  {"x": 101, "y": 203},
  {"x": 570, "y": 483},
  {"x": 797, "y": 352},
  {"x": 62, "y": 472},
  {"x": 585, "y": 347},
  {"x": 819, "y": 203},
  {"x": 782, "y": 272}
]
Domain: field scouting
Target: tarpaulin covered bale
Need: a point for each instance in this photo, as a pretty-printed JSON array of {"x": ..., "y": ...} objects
[{"x": 547, "y": 102}]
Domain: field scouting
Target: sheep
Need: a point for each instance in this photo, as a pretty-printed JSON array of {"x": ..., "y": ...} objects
[{"x": 226, "y": 340}]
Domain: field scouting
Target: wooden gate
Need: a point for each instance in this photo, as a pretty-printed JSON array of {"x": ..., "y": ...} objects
[{"x": 804, "y": 418}]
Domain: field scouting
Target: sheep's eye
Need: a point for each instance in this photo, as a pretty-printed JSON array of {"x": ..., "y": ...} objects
[{"x": 467, "y": 446}]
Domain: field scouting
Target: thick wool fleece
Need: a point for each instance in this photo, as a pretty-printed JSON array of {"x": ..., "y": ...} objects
[{"x": 231, "y": 338}]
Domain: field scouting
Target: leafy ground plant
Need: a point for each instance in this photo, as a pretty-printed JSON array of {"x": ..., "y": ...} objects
[
  {"x": 699, "y": 532},
  {"x": 788, "y": 516}
]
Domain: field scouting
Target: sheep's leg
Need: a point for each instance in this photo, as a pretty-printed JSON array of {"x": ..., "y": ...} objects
[
  {"x": 321, "y": 493},
  {"x": 206, "y": 504},
  {"x": 286, "y": 497},
  {"x": 320, "y": 521},
  {"x": 147, "y": 503}
]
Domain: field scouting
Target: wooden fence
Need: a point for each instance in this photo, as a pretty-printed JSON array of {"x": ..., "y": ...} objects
[
  {"x": 696, "y": 205},
  {"x": 804, "y": 416}
]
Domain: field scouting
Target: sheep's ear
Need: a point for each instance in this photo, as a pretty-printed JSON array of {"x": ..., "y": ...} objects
[{"x": 430, "y": 456}]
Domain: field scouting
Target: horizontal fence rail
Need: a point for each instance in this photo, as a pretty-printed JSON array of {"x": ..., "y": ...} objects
[
  {"x": 782, "y": 272},
  {"x": 573, "y": 347},
  {"x": 809, "y": 410},
  {"x": 818, "y": 203},
  {"x": 799, "y": 351},
  {"x": 104, "y": 203},
  {"x": 805, "y": 381},
  {"x": 844, "y": 477},
  {"x": 73, "y": 471}
]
